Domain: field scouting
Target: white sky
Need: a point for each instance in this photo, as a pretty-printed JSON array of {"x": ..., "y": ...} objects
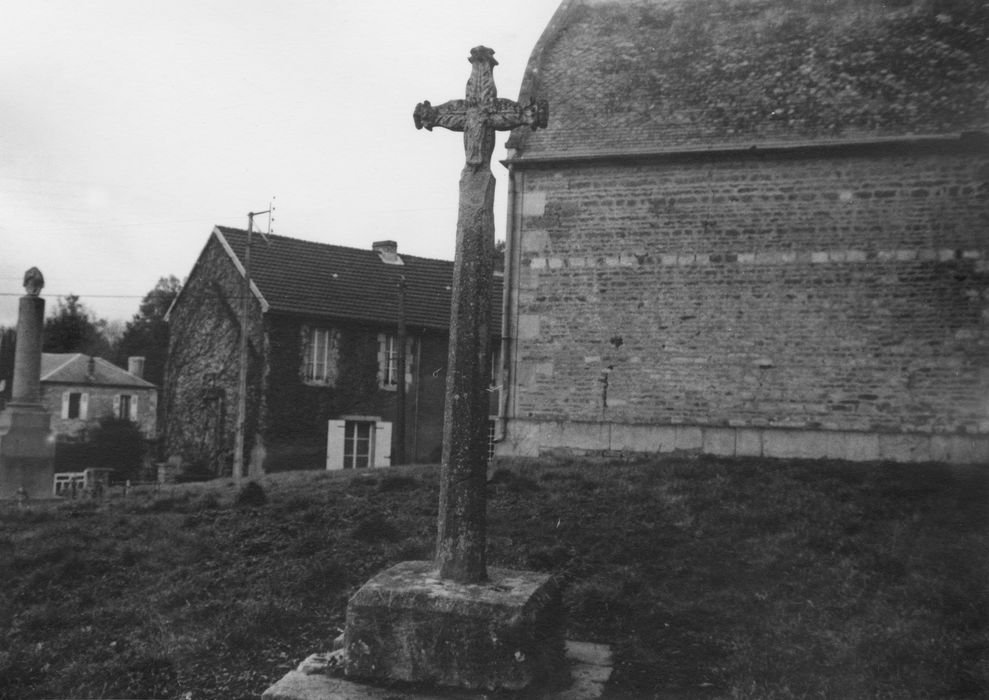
[{"x": 129, "y": 128}]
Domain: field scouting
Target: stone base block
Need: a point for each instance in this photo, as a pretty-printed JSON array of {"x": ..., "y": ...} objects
[
  {"x": 27, "y": 453},
  {"x": 406, "y": 624}
]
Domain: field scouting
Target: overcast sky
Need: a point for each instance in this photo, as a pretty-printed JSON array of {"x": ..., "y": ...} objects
[{"x": 129, "y": 128}]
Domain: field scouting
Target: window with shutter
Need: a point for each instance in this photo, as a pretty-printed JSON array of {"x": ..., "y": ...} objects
[{"x": 357, "y": 444}]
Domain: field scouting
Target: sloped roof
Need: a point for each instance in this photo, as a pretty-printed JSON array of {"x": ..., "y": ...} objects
[
  {"x": 626, "y": 76},
  {"x": 317, "y": 279},
  {"x": 73, "y": 368}
]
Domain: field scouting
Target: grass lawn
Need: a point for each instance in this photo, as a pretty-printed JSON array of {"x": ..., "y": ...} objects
[{"x": 710, "y": 578}]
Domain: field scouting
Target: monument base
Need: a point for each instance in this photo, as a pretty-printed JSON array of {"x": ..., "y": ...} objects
[
  {"x": 27, "y": 452},
  {"x": 408, "y": 625},
  {"x": 589, "y": 667}
]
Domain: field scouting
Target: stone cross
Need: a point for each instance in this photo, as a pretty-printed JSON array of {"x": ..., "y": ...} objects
[{"x": 462, "y": 526}]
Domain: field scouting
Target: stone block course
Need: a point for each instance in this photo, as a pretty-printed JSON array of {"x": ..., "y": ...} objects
[{"x": 719, "y": 441}]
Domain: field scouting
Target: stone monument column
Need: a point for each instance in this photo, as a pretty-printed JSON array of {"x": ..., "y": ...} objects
[
  {"x": 27, "y": 451},
  {"x": 27, "y": 357}
]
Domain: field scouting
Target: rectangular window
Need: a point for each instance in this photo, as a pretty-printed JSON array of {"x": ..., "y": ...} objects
[
  {"x": 357, "y": 443},
  {"x": 389, "y": 361},
  {"x": 319, "y": 364},
  {"x": 388, "y": 370},
  {"x": 75, "y": 405},
  {"x": 123, "y": 407}
]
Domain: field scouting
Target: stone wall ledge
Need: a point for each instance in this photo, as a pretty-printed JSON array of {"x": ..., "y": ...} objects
[{"x": 532, "y": 438}]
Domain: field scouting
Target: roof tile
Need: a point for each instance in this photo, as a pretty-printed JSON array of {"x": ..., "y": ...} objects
[
  {"x": 73, "y": 368},
  {"x": 318, "y": 279},
  {"x": 627, "y": 76}
]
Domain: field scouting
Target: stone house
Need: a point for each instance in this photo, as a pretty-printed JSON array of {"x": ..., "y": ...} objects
[
  {"x": 752, "y": 228},
  {"x": 323, "y": 350},
  {"x": 78, "y": 390}
]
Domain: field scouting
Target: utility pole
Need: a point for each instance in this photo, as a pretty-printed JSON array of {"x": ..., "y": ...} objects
[
  {"x": 238, "y": 466},
  {"x": 398, "y": 454}
]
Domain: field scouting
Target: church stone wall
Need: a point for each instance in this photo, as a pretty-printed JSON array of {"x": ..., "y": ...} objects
[{"x": 737, "y": 299}]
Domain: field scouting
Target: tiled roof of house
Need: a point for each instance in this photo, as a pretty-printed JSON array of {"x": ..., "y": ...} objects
[
  {"x": 74, "y": 368},
  {"x": 626, "y": 76},
  {"x": 318, "y": 279}
]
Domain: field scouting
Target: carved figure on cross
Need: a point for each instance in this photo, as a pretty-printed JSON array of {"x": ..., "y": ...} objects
[{"x": 482, "y": 112}]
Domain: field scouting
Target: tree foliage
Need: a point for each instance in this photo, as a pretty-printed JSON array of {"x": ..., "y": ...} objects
[
  {"x": 117, "y": 443},
  {"x": 8, "y": 339},
  {"x": 72, "y": 327},
  {"x": 146, "y": 334}
]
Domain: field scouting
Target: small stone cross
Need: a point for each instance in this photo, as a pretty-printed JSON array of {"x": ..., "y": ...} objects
[
  {"x": 462, "y": 524},
  {"x": 482, "y": 112}
]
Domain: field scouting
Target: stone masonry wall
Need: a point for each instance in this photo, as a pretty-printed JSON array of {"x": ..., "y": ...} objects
[
  {"x": 835, "y": 291},
  {"x": 199, "y": 396}
]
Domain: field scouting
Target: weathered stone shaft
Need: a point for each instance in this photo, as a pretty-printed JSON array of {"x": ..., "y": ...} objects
[
  {"x": 26, "y": 386},
  {"x": 462, "y": 530}
]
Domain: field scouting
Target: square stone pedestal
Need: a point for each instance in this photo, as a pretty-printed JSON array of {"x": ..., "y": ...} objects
[
  {"x": 27, "y": 452},
  {"x": 406, "y": 624}
]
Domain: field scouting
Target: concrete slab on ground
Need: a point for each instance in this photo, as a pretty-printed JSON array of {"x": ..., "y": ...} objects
[{"x": 590, "y": 668}]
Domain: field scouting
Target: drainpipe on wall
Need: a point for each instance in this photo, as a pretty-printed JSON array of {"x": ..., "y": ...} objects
[
  {"x": 415, "y": 406},
  {"x": 507, "y": 324},
  {"x": 398, "y": 449}
]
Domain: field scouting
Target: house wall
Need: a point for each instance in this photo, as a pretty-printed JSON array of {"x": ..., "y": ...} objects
[
  {"x": 100, "y": 404},
  {"x": 813, "y": 296},
  {"x": 199, "y": 396},
  {"x": 287, "y": 416},
  {"x": 297, "y": 412}
]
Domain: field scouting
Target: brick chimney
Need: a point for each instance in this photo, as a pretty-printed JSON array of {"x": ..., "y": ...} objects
[
  {"x": 388, "y": 250},
  {"x": 135, "y": 366}
]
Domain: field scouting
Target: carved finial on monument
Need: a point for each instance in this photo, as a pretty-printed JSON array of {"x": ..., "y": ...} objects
[{"x": 34, "y": 281}]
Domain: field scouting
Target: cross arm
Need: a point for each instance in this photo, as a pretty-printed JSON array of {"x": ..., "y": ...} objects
[
  {"x": 450, "y": 115},
  {"x": 508, "y": 115}
]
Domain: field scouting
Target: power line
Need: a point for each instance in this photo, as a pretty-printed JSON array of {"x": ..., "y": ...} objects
[{"x": 87, "y": 296}]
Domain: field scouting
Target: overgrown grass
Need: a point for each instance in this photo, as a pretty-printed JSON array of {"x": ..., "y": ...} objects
[{"x": 709, "y": 578}]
